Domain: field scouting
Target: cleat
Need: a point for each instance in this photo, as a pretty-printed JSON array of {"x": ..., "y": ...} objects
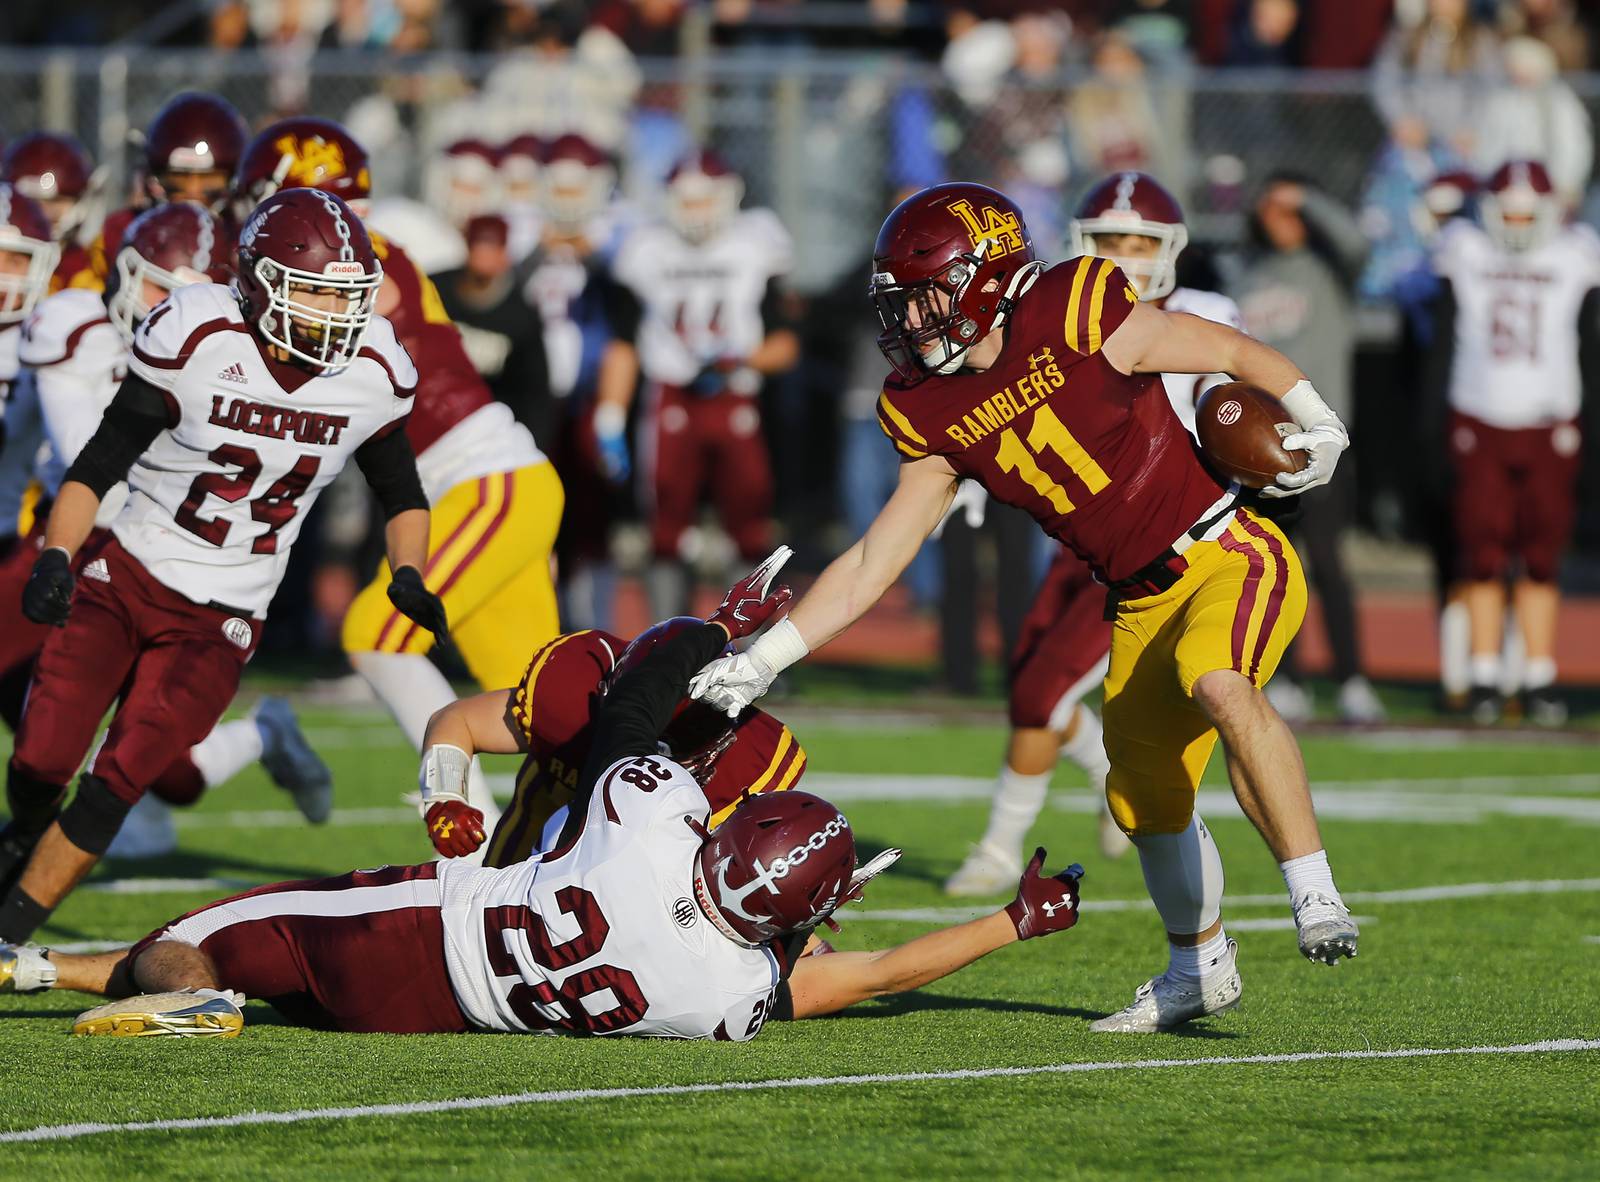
[
  {"x": 1164, "y": 1002},
  {"x": 191, "y": 1013},
  {"x": 148, "y": 831},
  {"x": 1484, "y": 705},
  {"x": 987, "y": 871},
  {"x": 1327, "y": 932},
  {"x": 291, "y": 762},
  {"x": 1291, "y": 700},
  {"x": 1113, "y": 841},
  {"x": 24, "y": 968},
  {"x": 1359, "y": 704},
  {"x": 1545, "y": 707}
]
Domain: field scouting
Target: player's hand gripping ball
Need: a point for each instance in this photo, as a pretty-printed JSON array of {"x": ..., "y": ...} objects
[
  {"x": 455, "y": 828},
  {"x": 1045, "y": 905},
  {"x": 1242, "y": 429}
]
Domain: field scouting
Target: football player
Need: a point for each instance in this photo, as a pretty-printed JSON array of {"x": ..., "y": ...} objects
[
  {"x": 54, "y": 169},
  {"x": 589, "y": 324},
  {"x": 240, "y": 406},
  {"x": 190, "y": 151},
  {"x": 549, "y": 719},
  {"x": 712, "y": 331},
  {"x": 1043, "y": 383},
  {"x": 1515, "y": 310},
  {"x": 1061, "y": 652},
  {"x": 639, "y": 922},
  {"x": 75, "y": 352},
  {"x": 496, "y": 501},
  {"x": 464, "y": 181}
]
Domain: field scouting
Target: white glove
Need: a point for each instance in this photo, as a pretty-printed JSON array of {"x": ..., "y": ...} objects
[
  {"x": 732, "y": 683},
  {"x": 1321, "y": 434},
  {"x": 971, "y": 500}
]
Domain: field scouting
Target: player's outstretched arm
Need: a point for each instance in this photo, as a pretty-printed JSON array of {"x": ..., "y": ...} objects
[
  {"x": 826, "y": 984},
  {"x": 850, "y": 585},
  {"x": 472, "y": 726}
]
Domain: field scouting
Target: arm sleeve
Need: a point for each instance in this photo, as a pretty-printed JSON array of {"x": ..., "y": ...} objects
[
  {"x": 131, "y": 423},
  {"x": 775, "y": 308},
  {"x": 642, "y": 703},
  {"x": 390, "y": 468},
  {"x": 623, "y": 311}
]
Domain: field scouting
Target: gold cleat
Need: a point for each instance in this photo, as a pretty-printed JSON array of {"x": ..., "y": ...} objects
[
  {"x": 24, "y": 968},
  {"x": 187, "y": 1014}
]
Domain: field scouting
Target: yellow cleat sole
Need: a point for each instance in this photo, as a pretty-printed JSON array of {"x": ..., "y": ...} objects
[{"x": 199, "y": 1018}]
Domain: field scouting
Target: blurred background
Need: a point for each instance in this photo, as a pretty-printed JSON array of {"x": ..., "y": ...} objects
[{"x": 827, "y": 112}]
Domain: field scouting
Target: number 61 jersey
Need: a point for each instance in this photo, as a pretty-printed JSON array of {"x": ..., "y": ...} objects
[
  {"x": 217, "y": 500},
  {"x": 602, "y": 935},
  {"x": 1098, "y": 457}
]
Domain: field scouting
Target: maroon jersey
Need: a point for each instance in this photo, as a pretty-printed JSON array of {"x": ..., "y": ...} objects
[
  {"x": 448, "y": 386},
  {"x": 74, "y": 260},
  {"x": 1096, "y": 456},
  {"x": 104, "y": 249},
  {"x": 554, "y": 708}
]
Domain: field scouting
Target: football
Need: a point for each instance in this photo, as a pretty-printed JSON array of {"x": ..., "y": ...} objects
[{"x": 1241, "y": 429}]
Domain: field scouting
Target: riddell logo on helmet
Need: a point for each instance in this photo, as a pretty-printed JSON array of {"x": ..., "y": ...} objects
[
  {"x": 344, "y": 268},
  {"x": 997, "y": 234}
]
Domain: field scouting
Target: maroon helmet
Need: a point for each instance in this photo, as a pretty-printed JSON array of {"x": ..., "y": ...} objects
[
  {"x": 703, "y": 195},
  {"x": 303, "y": 153},
  {"x": 170, "y": 247},
  {"x": 28, "y": 254},
  {"x": 54, "y": 170},
  {"x": 1134, "y": 203},
  {"x": 779, "y": 864},
  {"x": 520, "y": 161},
  {"x": 953, "y": 259},
  {"x": 575, "y": 182},
  {"x": 1519, "y": 205},
  {"x": 464, "y": 180},
  {"x": 195, "y": 135},
  {"x": 697, "y": 734},
  {"x": 299, "y": 241}
]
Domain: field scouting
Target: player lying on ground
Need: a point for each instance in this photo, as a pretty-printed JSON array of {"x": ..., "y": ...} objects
[
  {"x": 638, "y": 922},
  {"x": 1043, "y": 384}
]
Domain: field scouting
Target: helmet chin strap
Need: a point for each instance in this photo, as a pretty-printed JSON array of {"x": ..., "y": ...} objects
[{"x": 1025, "y": 278}]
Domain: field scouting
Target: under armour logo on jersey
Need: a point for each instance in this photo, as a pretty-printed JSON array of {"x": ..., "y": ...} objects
[
  {"x": 1066, "y": 904},
  {"x": 234, "y": 373},
  {"x": 1042, "y": 357}
]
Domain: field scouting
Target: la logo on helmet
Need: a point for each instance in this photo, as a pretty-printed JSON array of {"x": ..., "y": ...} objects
[
  {"x": 998, "y": 234},
  {"x": 312, "y": 160}
]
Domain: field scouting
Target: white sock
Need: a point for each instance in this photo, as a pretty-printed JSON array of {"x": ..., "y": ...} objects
[
  {"x": 1485, "y": 670},
  {"x": 413, "y": 689},
  {"x": 227, "y": 750},
  {"x": 1512, "y": 656},
  {"x": 1306, "y": 874},
  {"x": 1183, "y": 873},
  {"x": 1196, "y": 963},
  {"x": 1017, "y": 801},
  {"x": 1087, "y": 748},
  {"x": 1539, "y": 673},
  {"x": 1455, "y": 641}
]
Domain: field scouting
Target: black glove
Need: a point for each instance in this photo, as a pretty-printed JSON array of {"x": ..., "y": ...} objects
[
  {"x": 47, "y": 598},
  {"x": 417, "y": 603}
]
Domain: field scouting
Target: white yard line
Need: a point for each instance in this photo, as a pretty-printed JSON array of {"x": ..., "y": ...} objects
[{"x": 68, "y": 1132}]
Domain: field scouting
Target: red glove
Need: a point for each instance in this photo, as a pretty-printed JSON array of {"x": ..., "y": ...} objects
[
  {"x": 1045, "y": 905},
  {"x": 455, "y": 828},
  {"x": 750, "y": 603}
]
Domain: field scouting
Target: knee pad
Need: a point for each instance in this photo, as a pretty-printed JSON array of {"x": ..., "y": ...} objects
[
  {"x": 95, "y": 815},
  {"x": 32, "y": 802},
  {"x": 1183, "y": 873}
]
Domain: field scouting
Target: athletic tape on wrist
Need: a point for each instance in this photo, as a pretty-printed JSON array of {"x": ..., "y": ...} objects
[
  {"x": 780, "y": 646},
  {"x": 443, "y": 775}
]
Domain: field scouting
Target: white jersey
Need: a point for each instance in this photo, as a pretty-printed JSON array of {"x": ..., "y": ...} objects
[
  {"x": 702, "y": 303},
  {"x": 76, "y": 360},
  {"x": 217, "y": 500},
  {"x": 19, "y": 410},
  {"x": 1515, "y": 362},
  {"x": 604, "y": 936},
  {"x": 1184, "y": 389}
]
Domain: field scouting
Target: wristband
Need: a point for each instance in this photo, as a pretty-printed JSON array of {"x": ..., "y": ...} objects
[
  {"x": 444, "y": 774},
  {"x": 779, "y": 647},
  {"x": 610, "y": 420}
]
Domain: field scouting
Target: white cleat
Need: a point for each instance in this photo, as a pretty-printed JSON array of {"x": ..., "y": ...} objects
[
  {"x": 1113, "y": 841},
  {"x": 987, "y": 871},
  {"x": 1327, "y": 932},
  {"x": 189, "y": 1013},
  {"x": 1163, "y": 1002},
  {"x": 148, "y": 831},
  {"x": 24, "y": 968},
  {"x": 1359, "y": 704},
  {"x": 1292, "y": 701}
]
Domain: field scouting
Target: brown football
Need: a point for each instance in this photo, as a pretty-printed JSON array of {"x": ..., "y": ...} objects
[{"x": 1241, "y": 429}]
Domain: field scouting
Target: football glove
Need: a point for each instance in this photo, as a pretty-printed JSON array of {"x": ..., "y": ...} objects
[
  {"x": 1321, "y": 435},
  {"x": 1045, "y": 905},
  {"x": 611, "y": 441},
  {"x": 455, "y": 828},
  {"x": 47, "y": 597},
  {"x": 971, "y": 501},
  {"x": 419, "y": 605},
  {"x": 751, "y": 602}
]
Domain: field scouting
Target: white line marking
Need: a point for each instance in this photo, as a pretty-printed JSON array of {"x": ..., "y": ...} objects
[
  {"x": 87, "y": 1129},
  {"x": 165, "y": 886},
  {"x": 291, "y": 819},
  {"x": 1428, "y": 894}
]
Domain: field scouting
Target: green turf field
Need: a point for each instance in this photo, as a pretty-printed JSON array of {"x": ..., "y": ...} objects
[{"x": 1510, "y": 957}]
